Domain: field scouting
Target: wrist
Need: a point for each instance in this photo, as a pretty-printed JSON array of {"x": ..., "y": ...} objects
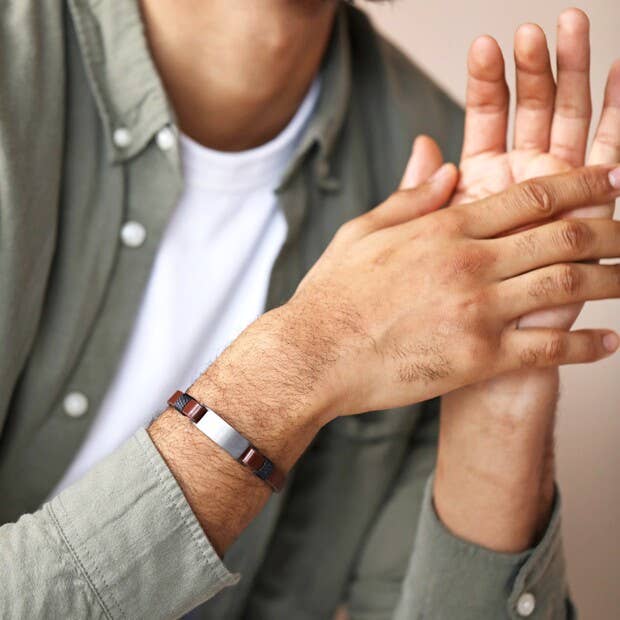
[
  {"x": 503, "y": 427},
  {"x": 259, "y": 387},
  {"x": 494, "y": 482},
  {"x": 507, "y": 517}
]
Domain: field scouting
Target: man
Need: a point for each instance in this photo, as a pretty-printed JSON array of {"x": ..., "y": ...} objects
[{"x": 169, "y": 170}]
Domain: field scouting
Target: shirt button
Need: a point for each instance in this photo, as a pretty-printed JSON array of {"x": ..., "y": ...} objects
[
  {"x": 133, "y": 234},
  {"x": 165, "y": 139},
  {"x": 526, "y": 604},
  {"x": 122, "y": 137},
  {"x": 75, "y": 404}
]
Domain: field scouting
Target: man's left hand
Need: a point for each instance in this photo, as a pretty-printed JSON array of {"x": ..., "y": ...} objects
[{"x": 494, "y": 483}]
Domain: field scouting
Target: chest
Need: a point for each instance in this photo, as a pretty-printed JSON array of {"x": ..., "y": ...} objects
[{"x": 94, "y": 290}]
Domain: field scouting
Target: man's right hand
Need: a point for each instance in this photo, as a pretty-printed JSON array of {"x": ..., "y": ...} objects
[{"x": 409, "y": 302}]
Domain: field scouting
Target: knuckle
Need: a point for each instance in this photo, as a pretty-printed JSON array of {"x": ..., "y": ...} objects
[
  {"x": 564, "y": 279},
  {"x": 368, "y": 220},
  {"x": 555, "y": 349},
  {"x": 550, "y": 353},
  {"x": 468, "y": 262},
  {"x": 541, "y": 288},
  {"x": 383, "y": 256},
  {"x": 569, "y": 280},
  {"x": 349, "y": 229},
  {"x": 590, "y": 183},
  {"x": 607, "y": 138},
  {"x": 527, "y": 242},
  {"x": 536, "y": 196},
  {"x": 529, "y": 357},
  {"x": 573, "y": 110},
  {"x": 574, "y": 236}
]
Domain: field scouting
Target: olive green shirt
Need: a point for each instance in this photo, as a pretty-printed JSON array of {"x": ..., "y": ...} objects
[{"x": 356, "y": 524}]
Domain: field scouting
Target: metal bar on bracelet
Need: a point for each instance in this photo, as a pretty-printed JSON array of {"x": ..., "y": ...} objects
[
  {"x": 228, "y": 438},
  {"x": 223, "y": 434}
]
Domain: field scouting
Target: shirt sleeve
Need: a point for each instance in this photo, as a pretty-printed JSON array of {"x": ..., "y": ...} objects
[
  {"x": 411, "y": 567},
  {"x": 451, "y": 578},
  {"x": 121, "y": 543}
]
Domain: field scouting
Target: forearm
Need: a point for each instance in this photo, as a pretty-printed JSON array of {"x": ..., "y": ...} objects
[
  {"x": 126, "y": 522},
  {"x": 260, "y": 385},
  {"x": 494, "y": 481}
]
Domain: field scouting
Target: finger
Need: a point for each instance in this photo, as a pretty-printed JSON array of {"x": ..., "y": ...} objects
[
  {"x": 405, "y": 205},
  {"x": 535, "y": 89},
  {"x": 425, "y": 159},
  {"x": 540, "y": 348},
  {"x": 538, "y": 199},
  {"x": 562, "y": 317},
  {"x": 486, "y": 106},
  {"x": 606, "y": 145},
  {"x": 557, "y": 242},
  {"x": 557, "y": 285},
  {"x": 573, "y": 106}
]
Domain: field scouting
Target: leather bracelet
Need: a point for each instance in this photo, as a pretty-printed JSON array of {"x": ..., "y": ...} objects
[{"x": 229, "y": 439}]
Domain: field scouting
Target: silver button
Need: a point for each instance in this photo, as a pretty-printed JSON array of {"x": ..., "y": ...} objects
[
  {"x": 75, "y": 404},
  {"x": 133, "y": 234},
  {"x": 165, "y": 139},
  {"x": 526, "y": 604},
  {"x": 122, "y": 137}
]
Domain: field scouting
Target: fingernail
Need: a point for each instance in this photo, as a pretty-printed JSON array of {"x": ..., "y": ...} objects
[
  {"x": 614, "y": 178},
  {"x": 611, "y": 342}
]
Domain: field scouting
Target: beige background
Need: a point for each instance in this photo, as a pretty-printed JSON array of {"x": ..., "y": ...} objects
[{"x": 437, "y": 33}]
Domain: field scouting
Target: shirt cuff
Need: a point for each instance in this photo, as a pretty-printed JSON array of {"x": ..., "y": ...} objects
[
  {"x": 135, "y": 539},
  {"x": 451, "y": 578}
]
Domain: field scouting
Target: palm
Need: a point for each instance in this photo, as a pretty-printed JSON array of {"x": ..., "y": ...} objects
[
  {"x": 487, "y": 173},
  {"x": 551, "y": 130}
]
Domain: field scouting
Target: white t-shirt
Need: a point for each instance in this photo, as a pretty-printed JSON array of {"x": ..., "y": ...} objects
[{"x": 219, "y": 246}]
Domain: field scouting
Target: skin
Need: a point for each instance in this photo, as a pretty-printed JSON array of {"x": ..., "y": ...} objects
[
  {"x": 255, "y": 66},
  {"x": 380, "y": 342},
  {"x": 508, "y": 507},
  {"x": 374, "y": 344}
]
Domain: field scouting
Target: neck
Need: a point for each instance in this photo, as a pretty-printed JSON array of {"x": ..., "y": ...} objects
[{"x": 236, "y": 72}]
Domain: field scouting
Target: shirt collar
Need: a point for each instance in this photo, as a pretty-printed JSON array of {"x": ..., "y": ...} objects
[
  {"x": 130, "y": 95},
  {"x": 124, "y": 81},
  {"x": 331, "y": 107}
]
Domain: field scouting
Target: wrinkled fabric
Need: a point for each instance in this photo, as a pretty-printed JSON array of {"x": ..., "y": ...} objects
[{"x": 356, "y": 523}]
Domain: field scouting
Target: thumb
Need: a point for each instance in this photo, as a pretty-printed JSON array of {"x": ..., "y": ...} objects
[
  {"x": 425, "y": 159},
  {"x": 408, "y": 204}
]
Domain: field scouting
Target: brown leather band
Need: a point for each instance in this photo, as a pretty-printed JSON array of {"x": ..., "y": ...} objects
[
  {"x": 187, "y": 405},
  {"x": 252, "y": 458}
]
